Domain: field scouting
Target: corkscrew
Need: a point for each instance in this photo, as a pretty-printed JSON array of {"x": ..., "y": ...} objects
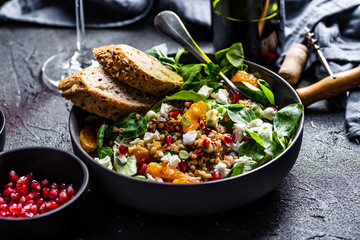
[{"x": 312, "y": 41}]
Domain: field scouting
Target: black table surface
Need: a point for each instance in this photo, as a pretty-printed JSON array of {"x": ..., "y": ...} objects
[{"x": 318, "y": 199}]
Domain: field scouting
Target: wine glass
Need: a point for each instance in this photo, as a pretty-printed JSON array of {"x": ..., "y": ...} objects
[{"x": 64, "y": 64}]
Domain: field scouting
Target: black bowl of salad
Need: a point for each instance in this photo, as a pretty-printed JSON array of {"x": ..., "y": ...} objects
[{"x": 200, "y": 150}]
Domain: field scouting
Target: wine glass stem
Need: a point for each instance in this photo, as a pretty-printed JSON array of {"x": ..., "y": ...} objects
[{"x": 80, "y": 27}]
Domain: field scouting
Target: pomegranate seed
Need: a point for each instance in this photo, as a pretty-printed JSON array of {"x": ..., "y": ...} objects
[
  {"x": 246, "y": 138},
  {"x": 70, "y": 190},
  {"x": 27, "y": 214},
  {"x": 34, "y": 209},
  {"x": 123, "y": 150},
  {"x": 30, "y": 196},
  {"x": 8, "y": 191},
  {"x": 29, "y": 177},
  {"x": 45, "y": 192},
  {"x": 22, "y": 200},
  {"x": 205, "y": 142},
  {"x": 140, "y": 162},
  {"x": 50, "y": 205},
  {"x": 2, "y": 200},
  {"x": 23, "y": 180},
  {"x": 29, "y": 202},
  {"x": 15, "y": 196},
  {"x": 208, "y": 130},
  {"x": 3, "y": 207},
  {"x": 44, "y": 183},
  {"x": 165, "y": 146},
  {"x": 228, "y": 138},
  {"x": 22, "y": 189},
  {"x": 216, "y": 176},
  {"x": 53, "y": 193},
  {"x": 63, "y": 196},
  {"x": 188, "y": 104},
  {"x": 183, "y": 165},
  {"x": 16, "y": 208},
  {"x": 142, "y": 169},
  {"x": 174, "y": 113},
  {"x": 43, "y": 208},
  {"x": 10, "y": 184},
  {"x": 235, "y": 97},
  {"x": 168, "y": 140},
  {"x": 55, "y": 186},
  {"x": 35, "y": 185},
  {"x": 39, "y": 201},
  {"x": 35, "y": 194},
  {"x": 13, "y": 176},
  {"x": 63, "y": 186}
]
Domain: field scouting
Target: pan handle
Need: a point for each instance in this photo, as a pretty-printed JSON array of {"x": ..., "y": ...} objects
[{"x": 330, "y": 87}]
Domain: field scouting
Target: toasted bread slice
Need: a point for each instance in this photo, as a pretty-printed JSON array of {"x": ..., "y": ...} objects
[
  {"x": 95, "y": 91},
  {"x": 138, "y": 69}
]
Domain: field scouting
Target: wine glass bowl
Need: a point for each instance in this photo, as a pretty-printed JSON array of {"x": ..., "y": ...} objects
[{"x": 64, "y": 64}]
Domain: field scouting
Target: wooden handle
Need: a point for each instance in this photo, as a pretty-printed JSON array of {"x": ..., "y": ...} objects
[{"x": 329, "y": 87}]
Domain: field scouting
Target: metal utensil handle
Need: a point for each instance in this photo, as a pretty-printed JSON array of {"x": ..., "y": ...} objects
[{"x": 169, "y": 24}]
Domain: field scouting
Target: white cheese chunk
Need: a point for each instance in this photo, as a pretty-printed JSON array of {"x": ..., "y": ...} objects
[
  {"x": 222, "y": 96},
  {"x": 173, "y": 160},
  {"x": 239, "y": 130},
  {"x": 148, "y": 136},
  {"x": 189, "y": 137},
  {"x": 154, "y": 179},
  {"x": 163, "y": 113},
  {"x": 222, "y": 169},
  {"x": 255, "y": 123},
  {"x": 268, "y": 113},
  {"x": 122, "y": 159},
  {"x": 104, "y": 161},
  {"x": 205, "y": 91}
]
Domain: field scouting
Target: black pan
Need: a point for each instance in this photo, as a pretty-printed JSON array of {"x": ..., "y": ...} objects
[{"x": 199, "y": 198}]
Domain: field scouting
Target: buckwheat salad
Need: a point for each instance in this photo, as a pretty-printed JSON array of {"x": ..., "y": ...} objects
[{"x": 200, "y": 133}]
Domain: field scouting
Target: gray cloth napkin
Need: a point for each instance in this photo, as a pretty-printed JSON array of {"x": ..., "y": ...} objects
[
  {"x": 98, "y": 13},
  {"x": 336, "y": 25}
]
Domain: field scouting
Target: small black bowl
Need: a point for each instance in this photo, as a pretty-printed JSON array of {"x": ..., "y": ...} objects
[
  {"x": 2, "y": 130},
  {"x": 196, "y": 198},
  {"x": 56, "y": 166}
]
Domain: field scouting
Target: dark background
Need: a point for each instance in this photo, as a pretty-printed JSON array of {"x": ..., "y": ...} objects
[{"x": 319, "y": 198}]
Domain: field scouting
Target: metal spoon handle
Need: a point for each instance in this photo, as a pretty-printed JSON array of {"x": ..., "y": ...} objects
[{"x": 169, "y": 24}]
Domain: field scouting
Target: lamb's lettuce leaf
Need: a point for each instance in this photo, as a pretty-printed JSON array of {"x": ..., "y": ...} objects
[
  {"x": 133, "y": 126},
  {"x": 286, "y": 119}
]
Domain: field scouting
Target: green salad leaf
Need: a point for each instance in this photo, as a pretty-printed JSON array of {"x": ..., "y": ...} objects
[
  {"x": 133, "y": 126},
  {"x": 261, "y": 134},
  {"x": 160, "y": 52},
  {"x": 251, "y": 92},
  {"x": 242, "y": 167},
  {"x": 239, "y": 113},
  {"x": 183, "y": 95},
  {"x": 252, "y": 149},
  {"x": 287, "y": 118},
  {"x": 265, "y": 87},
  {"x": 104, "y": 131},
  {"x": 129, "y": 168},
  {"x": 102, "y": 152}
]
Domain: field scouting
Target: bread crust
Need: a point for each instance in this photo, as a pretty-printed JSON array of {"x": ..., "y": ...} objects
[
  {"x": 138, "y": 69},
  {"x": 95, "y": 91}
]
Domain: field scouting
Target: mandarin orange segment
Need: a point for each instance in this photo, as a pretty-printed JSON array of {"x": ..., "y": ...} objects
[
  {"x": 87, "y": 138},
  {"x": 167, "y": 173},
  {"x": 242, "y": 76},
  {"x": 141, "y": 152},
  {"x": 196, "y": 112}
]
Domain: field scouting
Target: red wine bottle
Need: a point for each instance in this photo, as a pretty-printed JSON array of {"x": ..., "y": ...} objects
[{"x": 254, "y": 23}]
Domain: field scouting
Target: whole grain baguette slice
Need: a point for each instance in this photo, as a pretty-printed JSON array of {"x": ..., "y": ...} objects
[
  {"x": 138, "y": 69},
  {"x": 95, "y": 91}
]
